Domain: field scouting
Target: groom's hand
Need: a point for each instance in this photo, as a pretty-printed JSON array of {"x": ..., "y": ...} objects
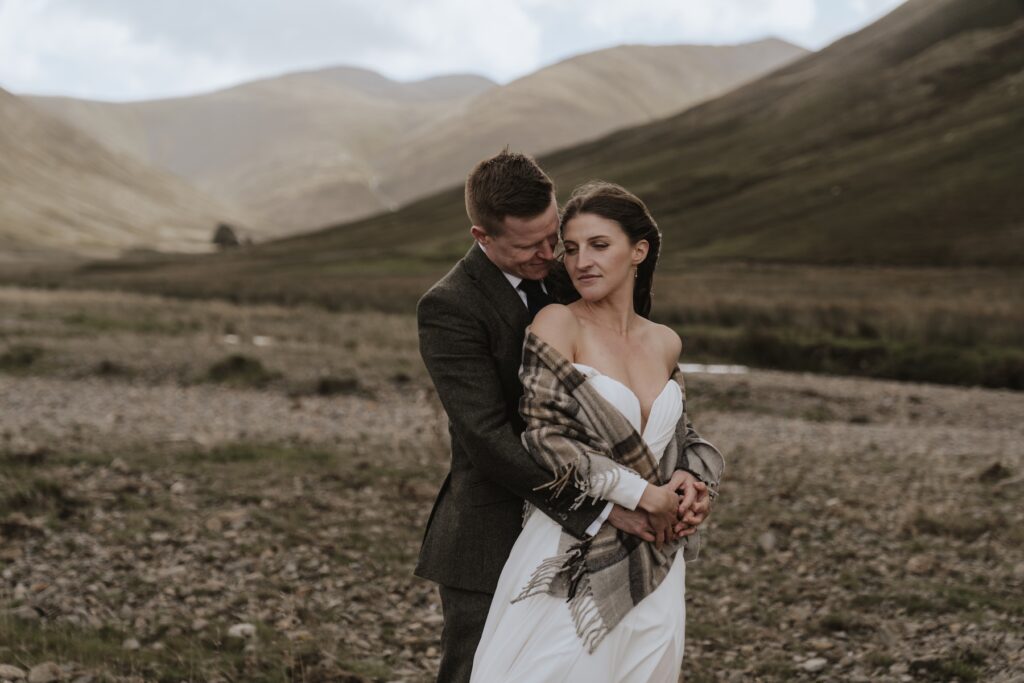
[{"x": 633, "y": 522}]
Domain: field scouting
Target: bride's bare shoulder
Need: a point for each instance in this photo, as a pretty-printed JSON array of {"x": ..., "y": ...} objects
[
  {"x": 557, "y": 325},
  {"x": 668, "y": 342}
]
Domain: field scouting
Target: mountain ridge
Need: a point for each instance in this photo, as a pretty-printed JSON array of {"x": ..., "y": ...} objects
[{"x": 317, "y": 147}]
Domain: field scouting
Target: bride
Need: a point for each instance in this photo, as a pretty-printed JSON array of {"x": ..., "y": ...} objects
[{"x": 604, "y": 405}]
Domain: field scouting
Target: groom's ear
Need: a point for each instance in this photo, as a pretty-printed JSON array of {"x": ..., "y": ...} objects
[{"x": 479, "y": 234}]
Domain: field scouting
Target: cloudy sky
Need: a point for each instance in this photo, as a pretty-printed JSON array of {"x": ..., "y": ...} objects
[{"x": 140, "y": 49}]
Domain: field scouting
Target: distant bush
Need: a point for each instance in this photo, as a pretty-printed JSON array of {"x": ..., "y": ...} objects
[
  {"x": 36, "y": 495},
  {"x": 109, "y": 368},
  {"x": 330, "y": 385},
  {"x": 20, "y": 357},
  {"x": 802, "y": 350},
  {"x": 224, "y": 236},
  {"x": 241, "y": 370}
]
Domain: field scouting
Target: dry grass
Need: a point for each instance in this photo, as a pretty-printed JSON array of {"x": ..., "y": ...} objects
[{"x": 949, "y": 325}]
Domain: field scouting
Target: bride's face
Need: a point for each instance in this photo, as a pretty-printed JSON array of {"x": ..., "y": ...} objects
[{"x": 598, "y": 255}]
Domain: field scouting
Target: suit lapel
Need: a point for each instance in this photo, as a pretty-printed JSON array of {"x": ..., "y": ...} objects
[{"x": 497, "y": 288}]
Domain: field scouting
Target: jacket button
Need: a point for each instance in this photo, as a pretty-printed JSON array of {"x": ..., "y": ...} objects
[{"x": 563, "y": 516}]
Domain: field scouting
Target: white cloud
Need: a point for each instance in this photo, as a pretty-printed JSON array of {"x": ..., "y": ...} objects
[
  {"x": 497, "y": 39},
  {"x": 873, "y": 7},
  {"x": 699, "y": 21},
  {"x": 573, "y": 26},
  {"x": 126, "y": 49},
  {"x": 47, "y": 48}
]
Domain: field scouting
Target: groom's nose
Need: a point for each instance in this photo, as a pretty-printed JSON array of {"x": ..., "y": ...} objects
[{"x": 546, "y": 252}]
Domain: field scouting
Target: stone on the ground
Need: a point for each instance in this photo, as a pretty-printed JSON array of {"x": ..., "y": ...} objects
[
  {"x": 920, "y": 564},
  {"x": 47, "y": 672},
  {"x": 814, "y": 664},
  {"x": 11, "y": 673},
  {"x": 766, "y": 541},
  {"x": 242, "y": 631},
  {"x": 26, "y": 612}
]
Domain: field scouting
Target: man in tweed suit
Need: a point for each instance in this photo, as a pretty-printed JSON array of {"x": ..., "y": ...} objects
[{"x": 471, "y": 328}]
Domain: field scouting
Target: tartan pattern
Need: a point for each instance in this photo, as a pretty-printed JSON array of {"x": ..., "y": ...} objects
[{"x": 574, "y": 432}]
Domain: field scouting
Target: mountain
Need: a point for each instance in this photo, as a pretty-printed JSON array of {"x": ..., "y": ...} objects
[
  {"x": 296, "y": 150},
  {"x": 576, "y": 100},
  {"x": 62, "y": 191},
  {"x": 900, "y": 144},
  {"x": 314, "y": 148}
]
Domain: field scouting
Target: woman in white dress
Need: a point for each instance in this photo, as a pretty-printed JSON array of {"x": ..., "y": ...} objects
[{"x": 611, "y": 246}]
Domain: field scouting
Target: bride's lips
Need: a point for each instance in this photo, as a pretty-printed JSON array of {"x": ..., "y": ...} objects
[{"x": 587, "y": 278}]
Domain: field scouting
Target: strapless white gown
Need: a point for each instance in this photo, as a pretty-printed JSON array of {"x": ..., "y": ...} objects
[{"x": 533, "y": 640}]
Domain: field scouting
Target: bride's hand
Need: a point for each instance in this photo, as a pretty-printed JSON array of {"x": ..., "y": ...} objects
[
  {"x": 661, "y": 503},
  {"x": 695, "y": 515},
  {"x": 681, "y": 479},
  {"x": 691, "y": 488}
]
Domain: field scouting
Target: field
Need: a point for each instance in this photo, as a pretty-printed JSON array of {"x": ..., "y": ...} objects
[
  {"x": 194, "y": 490},
  {"x": 959, "y": 325}
]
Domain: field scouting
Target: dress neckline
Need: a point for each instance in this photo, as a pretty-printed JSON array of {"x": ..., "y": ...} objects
[{"x": 640, "y": 407}]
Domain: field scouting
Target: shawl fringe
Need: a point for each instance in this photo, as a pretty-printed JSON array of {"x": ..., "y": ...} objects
[
  {"x": 572, "y": 566},
  {"x": 580, "y": 473}
]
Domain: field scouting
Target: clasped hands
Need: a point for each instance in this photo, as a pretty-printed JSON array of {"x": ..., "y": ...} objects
[{"x": 673, "y": 510}]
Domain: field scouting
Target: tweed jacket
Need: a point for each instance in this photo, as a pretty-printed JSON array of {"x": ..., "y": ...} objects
[
  {"x": 579, "y": 437},
  {"x": 471, "y": 325}
]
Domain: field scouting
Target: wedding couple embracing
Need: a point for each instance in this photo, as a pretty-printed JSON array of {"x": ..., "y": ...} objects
[{"x": 559, "y": 538}]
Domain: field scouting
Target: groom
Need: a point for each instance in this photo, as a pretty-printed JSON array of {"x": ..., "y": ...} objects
[{"x": 471, "y": 328}]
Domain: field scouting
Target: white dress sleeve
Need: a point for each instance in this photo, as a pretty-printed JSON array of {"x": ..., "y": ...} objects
[
  {"x": 595, "y": 526},
  {"x": 626, "y": 490}
]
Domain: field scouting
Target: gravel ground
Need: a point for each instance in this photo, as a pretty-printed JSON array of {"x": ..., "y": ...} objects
[{"x": 156, "y": 525}]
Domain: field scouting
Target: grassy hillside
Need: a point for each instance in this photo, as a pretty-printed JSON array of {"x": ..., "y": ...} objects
[{"x": 900, "y": 144}]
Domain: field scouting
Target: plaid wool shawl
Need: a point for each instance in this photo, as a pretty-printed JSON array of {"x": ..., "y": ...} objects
[{"x": 579, "y": 436}]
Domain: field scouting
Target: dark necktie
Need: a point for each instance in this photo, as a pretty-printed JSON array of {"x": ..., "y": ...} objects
[{"x": 536, "y": 299}]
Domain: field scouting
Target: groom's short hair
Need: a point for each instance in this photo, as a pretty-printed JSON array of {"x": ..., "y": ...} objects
[{"x": 507, "y": 184}]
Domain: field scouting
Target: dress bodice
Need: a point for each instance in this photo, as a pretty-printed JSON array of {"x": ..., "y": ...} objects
[{"x": 665, "y": 412}]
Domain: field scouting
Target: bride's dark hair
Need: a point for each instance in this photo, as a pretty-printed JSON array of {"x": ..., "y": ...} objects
[{"x": 618, "y": 204}]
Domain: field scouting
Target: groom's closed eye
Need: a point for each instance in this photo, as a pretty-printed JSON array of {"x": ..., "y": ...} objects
[{"x": 535, "y": 246}]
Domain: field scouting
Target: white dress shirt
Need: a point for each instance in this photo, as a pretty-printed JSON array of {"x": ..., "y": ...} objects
[{"x": 514, "y": 280}]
